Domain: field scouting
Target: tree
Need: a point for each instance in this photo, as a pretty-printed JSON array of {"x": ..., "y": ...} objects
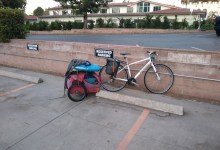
[
  {"x": 38, "y": 11},
  {"x": 84, "y": 7},
  {"x": 13, "y": 3},
  {"x": 1, "y": 4},
  {"x": 11, "y": 24}
]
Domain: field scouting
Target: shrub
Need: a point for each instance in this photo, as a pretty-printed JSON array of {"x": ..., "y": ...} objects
[
  {"x": 207, "y": 25},
  {"x": 175, "y": 23},
  {"x": 148, "y": 21},
  {"x": 121, "y": 23},
  {"x": 33, "y": 26},
  {"x": 110, "y": 23},
  {"x": 140, "y": 24},
  {"x": 166, "y": 23},
  {"x": 12, "y": 24},
  {"x": 157, "y": 22},
  {"x": 69, "y": 25},
  {"x": 91, "y": 24},
  {"x": 55, "y": 25},
  {"x": 196, "y": 24},
  {"x": 77, "y": 25},
  {"x": 99, "y": 23},
  {"x": 129, "y": 23},
  {"x": 184, "y": 24},
  {"x": 42, "y": 25}
]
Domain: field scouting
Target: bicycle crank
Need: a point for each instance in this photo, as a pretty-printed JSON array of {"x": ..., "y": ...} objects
[{"x": 132, "y": 82}]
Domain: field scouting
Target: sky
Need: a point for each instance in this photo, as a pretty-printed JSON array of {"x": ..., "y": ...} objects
[{"x": 33, "y": 4}]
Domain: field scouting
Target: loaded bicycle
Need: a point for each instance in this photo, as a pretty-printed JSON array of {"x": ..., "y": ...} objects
[
  {"x": 80, "y": 79},
  {"x": 116, "y": 74}
]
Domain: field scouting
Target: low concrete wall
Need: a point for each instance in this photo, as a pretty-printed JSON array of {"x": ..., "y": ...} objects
[
  {"x": 197, "y": 74},
  {"x": 115, "y": 31}
]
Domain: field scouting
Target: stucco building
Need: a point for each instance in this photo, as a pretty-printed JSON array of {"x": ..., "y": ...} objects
[{"x": 126, "y": 10}]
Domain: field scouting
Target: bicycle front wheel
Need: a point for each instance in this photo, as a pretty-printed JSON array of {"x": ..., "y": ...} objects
[
  {"x": 113, "y": 83},
  {"x": 159, "y": 82}
]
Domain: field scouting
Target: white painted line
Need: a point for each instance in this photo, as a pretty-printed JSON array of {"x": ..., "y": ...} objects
[
  {"x": 207, "y": 34},
  {"x": 198, "y": 49},
  {"x": 169, "y": 108}
]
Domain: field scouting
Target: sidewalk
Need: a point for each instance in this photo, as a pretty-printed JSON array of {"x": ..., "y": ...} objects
[{"x": 39, "y": 117}]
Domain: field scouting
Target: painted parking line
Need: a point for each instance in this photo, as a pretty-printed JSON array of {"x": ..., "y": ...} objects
[
  {"x": 131, "y": 133},
  {"x": 16, "y": 90},
  {"x": 198, "y": 48}
]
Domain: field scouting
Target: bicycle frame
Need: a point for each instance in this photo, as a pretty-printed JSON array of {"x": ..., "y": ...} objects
[{"x": 127, "y": 66}]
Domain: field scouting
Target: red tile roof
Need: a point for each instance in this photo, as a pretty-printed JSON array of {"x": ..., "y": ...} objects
[
  {"x": 31, "y": 17},
  {"x": 120, "y": 4}
]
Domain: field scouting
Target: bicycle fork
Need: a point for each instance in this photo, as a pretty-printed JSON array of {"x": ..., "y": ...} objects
[{"x": 155, "y": 70}]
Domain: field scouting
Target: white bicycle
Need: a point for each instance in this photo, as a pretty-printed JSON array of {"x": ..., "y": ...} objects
[{"x": 158, "y": 78}]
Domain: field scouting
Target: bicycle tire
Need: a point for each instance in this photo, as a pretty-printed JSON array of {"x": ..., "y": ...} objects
[
  {"x": 77, "y": 92},
  {"x": 159, "y": 86},
  {"x": 109, "y": 83}
]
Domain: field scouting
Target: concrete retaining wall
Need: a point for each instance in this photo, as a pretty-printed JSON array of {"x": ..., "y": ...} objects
[
  {"x": 197, "y": 74},
  {"x": 115, "y": 31}
]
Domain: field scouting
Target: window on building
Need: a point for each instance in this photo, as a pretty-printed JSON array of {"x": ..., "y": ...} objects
[
  {"x": 65, "y": 12},
  {"x": 103, "y": 11},
  {"x": 129, "y": 9},
  {"x": 143, "y": 7},
  {"x": 115, "y": 10},
  {"x": 156, "y": 8},
  {"x": 55, "y": 12}
]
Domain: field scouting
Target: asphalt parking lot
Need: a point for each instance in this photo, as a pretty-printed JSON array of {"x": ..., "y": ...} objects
[
  {"x": 199, "y": 41},
  {"x": 39, "y": 117}
]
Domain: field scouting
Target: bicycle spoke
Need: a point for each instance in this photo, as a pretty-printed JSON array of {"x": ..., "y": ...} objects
[{"x": 115, "y": 83}]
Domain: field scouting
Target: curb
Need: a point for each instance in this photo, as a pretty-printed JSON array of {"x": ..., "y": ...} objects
[
  {"x": 169, "y": 108},
  {"x": 21, "y": 77}
]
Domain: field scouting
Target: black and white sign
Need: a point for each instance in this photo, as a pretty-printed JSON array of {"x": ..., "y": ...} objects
[
  {"x": 104, "y": 53},
  {"x": 33, "y": 47}
]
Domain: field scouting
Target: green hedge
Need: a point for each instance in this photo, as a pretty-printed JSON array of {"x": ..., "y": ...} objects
[
  {"x": 56, "y": 25},
  {"x": 11, "y": 24},
  {"x": 150, "y": 21}
]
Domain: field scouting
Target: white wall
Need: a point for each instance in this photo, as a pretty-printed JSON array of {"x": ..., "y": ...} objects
[{"x": 209, "y": 6}]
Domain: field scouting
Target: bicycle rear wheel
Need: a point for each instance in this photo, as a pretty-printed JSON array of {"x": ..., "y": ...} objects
[
  {"x": 113, "y": 83},
  {"x": 163, "y": 83}
]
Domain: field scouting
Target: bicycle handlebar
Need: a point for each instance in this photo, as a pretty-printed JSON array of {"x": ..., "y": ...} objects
[{"x": 151, "y": 53}]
